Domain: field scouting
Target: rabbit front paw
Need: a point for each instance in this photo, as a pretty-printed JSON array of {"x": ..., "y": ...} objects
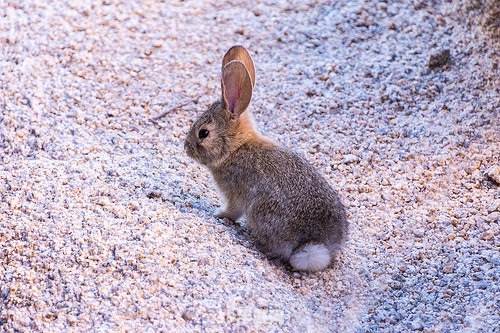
[{"x": 225, "y": 214}]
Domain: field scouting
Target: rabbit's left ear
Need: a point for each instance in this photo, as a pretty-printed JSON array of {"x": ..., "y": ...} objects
[
  {"x": 240, "y": 53},
  {"x": 236, "y": 87}
]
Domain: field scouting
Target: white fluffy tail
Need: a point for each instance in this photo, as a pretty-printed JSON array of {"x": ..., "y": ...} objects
[{"x": 310, "y": 257}]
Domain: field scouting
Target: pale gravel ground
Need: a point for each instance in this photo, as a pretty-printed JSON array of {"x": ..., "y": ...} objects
[{"x": 105, "y": 224}]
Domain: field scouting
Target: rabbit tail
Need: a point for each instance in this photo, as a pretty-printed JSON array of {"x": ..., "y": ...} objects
[{"x": 310, "y": 257}]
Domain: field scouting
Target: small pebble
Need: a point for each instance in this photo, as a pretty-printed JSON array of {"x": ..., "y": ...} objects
[
  {"x": 439, "y": 59},
  {"x": 493, "y": 173}
]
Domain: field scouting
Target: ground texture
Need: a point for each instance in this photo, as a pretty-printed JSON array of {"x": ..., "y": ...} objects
[{"x": 105, "y": 223}]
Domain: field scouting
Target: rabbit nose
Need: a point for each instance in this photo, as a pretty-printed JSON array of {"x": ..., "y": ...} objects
[{"x": 188, "y": 148}]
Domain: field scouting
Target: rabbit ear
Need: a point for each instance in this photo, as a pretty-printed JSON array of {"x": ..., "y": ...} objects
[
  {"x": 240, "y": 53},
  {"x": 236, "y": 87}
]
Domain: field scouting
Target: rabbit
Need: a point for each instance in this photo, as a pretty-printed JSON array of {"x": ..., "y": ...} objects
[{"x": 290, "y": 209}]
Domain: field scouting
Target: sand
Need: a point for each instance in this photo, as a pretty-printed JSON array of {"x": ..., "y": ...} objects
[{"x": 107, "y": 225}]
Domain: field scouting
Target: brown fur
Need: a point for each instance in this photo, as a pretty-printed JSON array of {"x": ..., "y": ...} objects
[{"x": 287, "y": 204}]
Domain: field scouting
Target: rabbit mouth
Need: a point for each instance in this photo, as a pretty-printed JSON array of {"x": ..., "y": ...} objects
[
  {"x": 197, "y": 154},
  {"x": 190, "y": 151}
]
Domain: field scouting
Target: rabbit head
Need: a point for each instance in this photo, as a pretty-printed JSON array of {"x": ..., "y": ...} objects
[{"x": 225, "y": 125}]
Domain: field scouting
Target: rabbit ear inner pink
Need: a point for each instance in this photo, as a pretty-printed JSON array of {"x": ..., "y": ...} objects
[{"x": 236, "y": 87}]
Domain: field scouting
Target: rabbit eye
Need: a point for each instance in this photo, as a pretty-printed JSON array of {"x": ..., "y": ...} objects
[{"x": 203, "y": 133}]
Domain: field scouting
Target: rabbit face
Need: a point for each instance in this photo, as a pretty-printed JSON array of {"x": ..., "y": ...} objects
[{"x": 207, "y": 141}]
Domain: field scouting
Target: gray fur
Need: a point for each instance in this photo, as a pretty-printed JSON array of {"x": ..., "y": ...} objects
[{"x": 286, "y": 202}]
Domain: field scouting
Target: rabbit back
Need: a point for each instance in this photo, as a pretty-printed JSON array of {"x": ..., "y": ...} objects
[{"x": 286, "y": 202}]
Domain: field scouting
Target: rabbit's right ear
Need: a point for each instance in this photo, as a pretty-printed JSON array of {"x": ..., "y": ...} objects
[
  {"x": 240, "y": 53},
  {"x": 236, "y": 87}
]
